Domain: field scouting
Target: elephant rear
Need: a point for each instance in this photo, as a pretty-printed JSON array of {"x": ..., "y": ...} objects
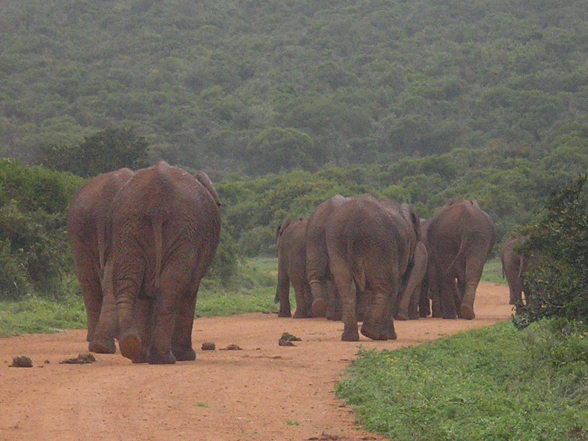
[{"x": 166, "y": 228}]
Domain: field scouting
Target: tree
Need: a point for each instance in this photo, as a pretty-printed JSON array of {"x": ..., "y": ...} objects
[
  {"x": 102, "y": 152},
  {"x": 277, "y": 149}
]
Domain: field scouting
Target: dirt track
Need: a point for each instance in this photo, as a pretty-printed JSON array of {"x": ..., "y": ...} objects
[{"x": 262, "y": 392}]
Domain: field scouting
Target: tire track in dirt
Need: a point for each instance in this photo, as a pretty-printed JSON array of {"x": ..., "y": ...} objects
[{"x": 264, "y": 392}]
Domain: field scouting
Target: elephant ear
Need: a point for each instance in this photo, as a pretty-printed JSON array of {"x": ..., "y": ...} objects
[
  {"x": 205, "y": 180},
  {"x": 282, "y": 227}
]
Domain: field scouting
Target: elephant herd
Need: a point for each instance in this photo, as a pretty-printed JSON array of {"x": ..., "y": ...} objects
[
  {"x": 373, "y": 260},
  {"x": 141, "y": 243}
]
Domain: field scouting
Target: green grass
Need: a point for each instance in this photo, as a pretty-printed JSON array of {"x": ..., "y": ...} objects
[
  {"x": 252, "y": 291},
  {"x": 37, "y": 315},
  {"x": 493, "y": 272},
  {"x": 485, "y": 385}
]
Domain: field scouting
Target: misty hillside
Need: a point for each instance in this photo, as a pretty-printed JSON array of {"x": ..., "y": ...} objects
[{"x": 237, "y": 85}]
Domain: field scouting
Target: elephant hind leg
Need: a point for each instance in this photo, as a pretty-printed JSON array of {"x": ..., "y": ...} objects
[
  {"x": 342, "y": 275},
  {"x": 182, "y": 338},
  {"x": 319, "y": 304}
]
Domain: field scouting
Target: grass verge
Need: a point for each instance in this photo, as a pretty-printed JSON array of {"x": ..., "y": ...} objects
[
  {"x": 252, "y": 291},
  {"x": 491, "y": 384}
]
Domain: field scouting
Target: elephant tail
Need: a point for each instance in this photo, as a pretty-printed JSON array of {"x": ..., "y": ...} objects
[
  {"x": 462, "y": 247},
  {"x": 101, "y": 235},
  {"x": 157, "y": 216},
  {"x": 358, "y": 273}
]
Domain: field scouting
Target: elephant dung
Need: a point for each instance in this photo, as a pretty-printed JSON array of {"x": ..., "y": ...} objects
[
  {"x": 22, "y": 361},
  {"x": 80, "y": 359},
  {"x": 208, "y": 346},
  {"x": 286, "y": 339}
]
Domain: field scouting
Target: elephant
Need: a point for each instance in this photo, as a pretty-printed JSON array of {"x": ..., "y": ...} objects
[
  {"x": 370, "y": 245},
  {"x": 291, "y": 244},
  {"x": 514, "y": 265},
  {"x": 89, "y": 237},
  {"x": 460, "y": 238},
  {"x": 165, "y": 229},
  {"x": 410, "y": 293},
  {"x": 324, "y": 293}
]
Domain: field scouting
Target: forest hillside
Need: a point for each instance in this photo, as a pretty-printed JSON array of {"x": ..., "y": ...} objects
[{"x": 251, "y": 87}]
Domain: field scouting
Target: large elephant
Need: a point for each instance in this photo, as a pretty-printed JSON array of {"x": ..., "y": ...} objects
[
  {"x": 370, "y": 245},
  {"x": 410, "y": 293},
  {"x": 165, "y": 229},
  {"x": 89, "y": 238},
  {"x": 514, "y": 265},
  {"x": 291, "y": 243},
  {"x": 460, "y": 237},
  {"x": 324, "y": 293}
]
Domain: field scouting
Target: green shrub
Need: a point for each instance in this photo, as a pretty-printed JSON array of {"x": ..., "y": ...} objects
[
  {"x": 557, "y": 285},
  {"x": 33, "y": 244}
]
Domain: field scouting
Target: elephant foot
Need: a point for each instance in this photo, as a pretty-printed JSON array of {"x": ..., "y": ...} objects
[
  {"x": 284, "y": 314},
  {"x": 467, "y": 312},
  {"x": 105, "y": 346},
  {"x": 374, "y": 332},
  {"x": 449, "y": 316},
  {"x": 319, "y": 307},
  {"x": 162, "y": 358},
  {"x": 301, "y": 315},
  {"x": 334, "y": 315},
  {"x": 402, "y": 316},
  {"x": 143, "y": 357},
  {"x": 184, "y": 355},
  {"x": 130, "y": 345},
  {"x": 350, "y": 335}
]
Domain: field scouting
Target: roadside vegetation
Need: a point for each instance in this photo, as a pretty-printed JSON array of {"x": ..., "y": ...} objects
[{"x": 492, "y": 384}]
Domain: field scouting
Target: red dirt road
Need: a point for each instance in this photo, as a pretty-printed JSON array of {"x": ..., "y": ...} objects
[{"x": 263, "y": 392}]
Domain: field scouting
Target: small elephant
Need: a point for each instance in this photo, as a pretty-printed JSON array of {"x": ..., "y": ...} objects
[
  {"x": 370, "y": 245},
  {"x": 514, "y": 265},
  {"x": 326, "y": 301},
  {"x": 89, "y": 236},
  {"x": 460, "y": 238},
  {"x": 165, "y": 230},
  {"x": 291, "y": 243}
]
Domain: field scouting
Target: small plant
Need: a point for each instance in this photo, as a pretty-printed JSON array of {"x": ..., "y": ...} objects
[{"x": 292, "y": 423}]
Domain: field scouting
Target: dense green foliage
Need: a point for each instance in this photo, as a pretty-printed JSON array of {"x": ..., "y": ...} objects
[
  {"x": 557, "y": 285},
  {"x": 214, "y": 83},
  {"x": 494, "y": 384},
  {"x": 33, "y": 244},
  {"x": 510, "y": 184}
]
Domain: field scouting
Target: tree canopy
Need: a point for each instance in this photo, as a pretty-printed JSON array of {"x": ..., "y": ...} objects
[{"x": 361, "y": 81}]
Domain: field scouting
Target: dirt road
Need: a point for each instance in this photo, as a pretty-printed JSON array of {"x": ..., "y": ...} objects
[{"x": 263, "y": 392}]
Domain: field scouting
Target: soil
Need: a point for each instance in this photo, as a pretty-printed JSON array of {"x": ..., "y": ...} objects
[{"x": 263, "y": 392}]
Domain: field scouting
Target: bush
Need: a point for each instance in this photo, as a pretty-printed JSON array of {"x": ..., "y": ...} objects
[
  {"x": 557, "y": 285},
  {"x": 33, "y": 242}
]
